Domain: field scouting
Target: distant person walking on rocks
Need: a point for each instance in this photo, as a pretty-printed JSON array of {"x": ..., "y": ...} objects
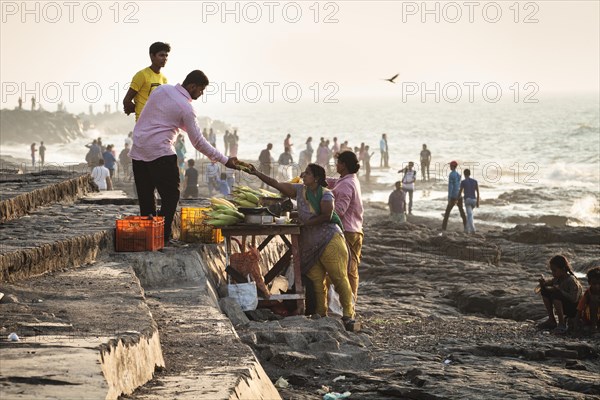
[
  {"x": 33, "y": 104},
  {"x": 212, "y": 138},
  {"x": 561, "y": 293},
  {"x": 101, "y": 176},
  {"x": 129, "y": 139},
  {"x": 94, "y": 154},
  {"x": 191, "y": 181},
  {"x": 226, "y": 141},
  {"x": 154, "y": 159},
  {"x": 285, "y": 164},
  {"x": 212, "y": 176},
  {"x": 109, "y": 160},
  {"x": 397, "y": 204},
  {"x": 471, "y": 198},
  {"x": 349, "y": 206},
  {"x": 287, "y": 142},
  {"x": 367, "y": 162},
  {"x": 453, "y": 196},
  {"x": 409, "y": 178},
  {"x": 309, "y": 150},
  {"x": 234, "y": 141},
  {"x": 42, "y": 154},
  {"x": 265, "y": 162},
  {"x": 385, "y": 155},
  {"x": 146, "y": 80},
  {"x": 425, "y": 161},
  {"x": 33, "y": 150},
  {"x": 125, "y": 162}
]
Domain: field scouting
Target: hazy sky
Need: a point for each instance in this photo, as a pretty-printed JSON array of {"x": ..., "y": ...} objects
[{"x": 56, "y": 49}]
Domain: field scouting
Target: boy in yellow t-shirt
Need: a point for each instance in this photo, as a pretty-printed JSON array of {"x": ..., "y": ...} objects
[{"x": 146, "y": 80}]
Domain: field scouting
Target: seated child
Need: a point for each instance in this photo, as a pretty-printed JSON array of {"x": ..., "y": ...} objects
[
  {"x": 223, "y": 186},
  {"x": 560, "y": 294},
  {"x": 397, "y": 204},
  {"x": 588, "y": 310}
]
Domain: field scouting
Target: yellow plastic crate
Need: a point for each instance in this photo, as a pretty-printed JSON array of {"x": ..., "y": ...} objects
[{"x": 194, "y": 229}]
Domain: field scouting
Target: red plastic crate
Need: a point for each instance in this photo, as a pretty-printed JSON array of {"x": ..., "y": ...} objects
[
  {"x": 137, "y": 233},
  {"x": 194, "y": 229}
]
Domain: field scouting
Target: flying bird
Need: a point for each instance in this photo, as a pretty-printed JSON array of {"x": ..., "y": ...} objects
[{"x": 392, "y": 78}]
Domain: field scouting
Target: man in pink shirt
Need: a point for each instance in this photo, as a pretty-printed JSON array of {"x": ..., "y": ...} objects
[
  {"x": 349, "y": 206},
  {"x": 153, "y": 156}
]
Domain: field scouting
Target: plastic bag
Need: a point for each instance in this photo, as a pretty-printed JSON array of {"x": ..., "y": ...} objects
[
  {"x": 333, "y": 301},
  {"x": 244, "y": 294}
]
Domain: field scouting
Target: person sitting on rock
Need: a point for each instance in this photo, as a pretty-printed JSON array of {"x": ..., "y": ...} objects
[
  {"x": 588, "y": 310},
  {"x": 560, "y": 294},
  {"x": 397, "y": 204}
]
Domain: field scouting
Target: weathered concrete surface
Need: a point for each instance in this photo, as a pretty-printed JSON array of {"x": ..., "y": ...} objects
[
  {"x": 23, "y": 193},
  {"x": 85, "y": 333},
  {"x": 205, "y": 358},
  {"x": 56, "y": 237}
]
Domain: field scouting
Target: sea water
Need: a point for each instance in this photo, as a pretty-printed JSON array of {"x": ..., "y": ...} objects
[{"x": 535, "y": 162}]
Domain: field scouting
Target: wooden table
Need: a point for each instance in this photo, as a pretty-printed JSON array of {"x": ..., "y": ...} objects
[{"x": 292, "y": 254}]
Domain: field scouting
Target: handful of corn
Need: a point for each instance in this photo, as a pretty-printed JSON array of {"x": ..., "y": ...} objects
[
  {"x": 245, "y": 196},
  {"x": 223, "y": 213},
  {"x": 244, "y": 166}
]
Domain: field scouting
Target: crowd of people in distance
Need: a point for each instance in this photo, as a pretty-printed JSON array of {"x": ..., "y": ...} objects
[{"x": 329, "y": 209}]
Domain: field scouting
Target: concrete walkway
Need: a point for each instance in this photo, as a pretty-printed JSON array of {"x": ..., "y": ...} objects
[{"x": 95, "y": 324}]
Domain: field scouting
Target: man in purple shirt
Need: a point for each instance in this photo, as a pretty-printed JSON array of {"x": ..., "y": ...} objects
[{"x": 153, "y": 156}]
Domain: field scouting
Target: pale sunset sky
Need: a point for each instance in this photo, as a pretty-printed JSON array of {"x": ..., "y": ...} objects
[{"x": 54, "y": 48}]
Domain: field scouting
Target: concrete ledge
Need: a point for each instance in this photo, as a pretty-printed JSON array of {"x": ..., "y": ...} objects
[
  {"x": 18, "y": 198},
  {"x": 78, "y": 250},
  {"x": 85, "y": 333},
  {"x": 129, "y": 362},
  {"x": 205, "y": 359}
]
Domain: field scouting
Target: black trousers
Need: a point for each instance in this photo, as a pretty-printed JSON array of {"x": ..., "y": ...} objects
[
  {"x": 161, "y": 174},
  {"x": 449, "y": 208}
]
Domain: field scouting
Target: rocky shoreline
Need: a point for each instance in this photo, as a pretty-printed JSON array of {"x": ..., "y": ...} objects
[{"x": 444, "y": 316}]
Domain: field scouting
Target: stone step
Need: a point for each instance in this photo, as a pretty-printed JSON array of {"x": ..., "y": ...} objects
[
  {"x": 56, "y": 237},
  {"x": 23, "y": 193},
  {"x": 83, "y": 333},
  {"x": 204, "y": 356}
]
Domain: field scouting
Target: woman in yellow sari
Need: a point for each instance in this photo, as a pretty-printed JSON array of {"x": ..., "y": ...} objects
[{"x": 322, "y": 244}]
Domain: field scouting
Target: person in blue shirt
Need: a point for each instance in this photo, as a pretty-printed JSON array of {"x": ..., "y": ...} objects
[
  {"x": 109, "y": 160},
  {"x": 454, "y": 196},
  {"x": 471, "y": 198}
]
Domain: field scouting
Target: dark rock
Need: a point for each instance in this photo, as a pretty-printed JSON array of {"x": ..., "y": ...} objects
[
  {"x": 286, "y": 359},
  {"x": 546, "y": 234},
  {"x": 262, "y": 314},
  {"x": 233, "y": 311},
  {"x": 561, "y": 353},
  {"x": 9, "y": 298},
  {"x": 575, "y": 365}
]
